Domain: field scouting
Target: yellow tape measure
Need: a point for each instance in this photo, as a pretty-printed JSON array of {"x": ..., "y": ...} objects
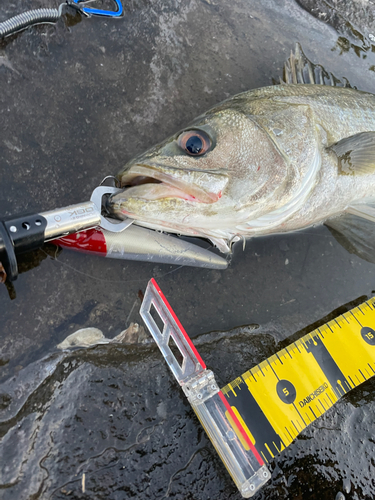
[
  {"x": 260, "y": 413},
  {"x": 277, "y": 399}
]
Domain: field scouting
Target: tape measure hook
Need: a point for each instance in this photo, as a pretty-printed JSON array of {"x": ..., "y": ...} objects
[{"x": 156, "y": 310}]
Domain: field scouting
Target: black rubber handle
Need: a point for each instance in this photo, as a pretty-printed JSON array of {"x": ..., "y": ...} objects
[
  {"x": 7, "y": 254},
  {"x": 18, "y": 236}
]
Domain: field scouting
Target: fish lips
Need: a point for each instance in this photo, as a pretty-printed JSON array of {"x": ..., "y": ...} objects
[{"x": 152, "y": 183}]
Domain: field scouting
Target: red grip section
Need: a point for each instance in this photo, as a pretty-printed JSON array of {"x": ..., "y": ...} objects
[
  {"x": 240, "y": 428},
  {"x": 202, "y": 363},
  {"x": 89, "y": 241}
]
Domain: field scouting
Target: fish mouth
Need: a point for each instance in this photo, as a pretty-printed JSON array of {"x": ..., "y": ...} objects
[{"x": 156, "y": 183}]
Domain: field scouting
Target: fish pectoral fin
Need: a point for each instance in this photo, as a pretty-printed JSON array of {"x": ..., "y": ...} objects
[
  {"x": 355, "y": 231},
  {"x": 356, "y": 154},
  {"x": 364, "y": 211}
]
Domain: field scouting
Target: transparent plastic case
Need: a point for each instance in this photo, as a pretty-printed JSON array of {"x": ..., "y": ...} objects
[{"x": 226, "y": 433}]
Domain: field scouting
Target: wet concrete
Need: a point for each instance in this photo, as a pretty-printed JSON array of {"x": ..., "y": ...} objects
[
  {"x": 93, "y": 412},
  {"x": 77, "y": 101}
]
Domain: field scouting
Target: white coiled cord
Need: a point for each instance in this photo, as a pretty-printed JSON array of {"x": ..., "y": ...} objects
[{"x": 29, "y": 18}]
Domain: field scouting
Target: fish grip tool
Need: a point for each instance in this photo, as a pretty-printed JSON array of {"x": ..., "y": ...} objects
[
  {"x": 27, "y": 232},
  {"x": 222, "y": 426}
]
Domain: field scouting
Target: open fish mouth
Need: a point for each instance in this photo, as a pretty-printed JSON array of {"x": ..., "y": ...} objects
[{"x": 156, "y": 183}]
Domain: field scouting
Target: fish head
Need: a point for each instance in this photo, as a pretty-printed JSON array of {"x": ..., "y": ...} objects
[{"x": 205, "y": 179}]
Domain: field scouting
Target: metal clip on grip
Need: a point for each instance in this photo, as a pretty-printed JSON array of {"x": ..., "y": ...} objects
[
  {"x": 89, "y": 11},
  {"x": 226, "y": 433}
]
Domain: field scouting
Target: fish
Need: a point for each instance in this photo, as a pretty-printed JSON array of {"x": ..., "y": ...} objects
[{"x": 272, "y": 160}]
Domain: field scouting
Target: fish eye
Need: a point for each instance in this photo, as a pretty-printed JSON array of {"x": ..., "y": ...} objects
[{"x": 194, "y": 142}]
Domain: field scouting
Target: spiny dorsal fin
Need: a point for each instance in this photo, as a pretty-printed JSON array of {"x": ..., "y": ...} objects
[
  {"x": 299, "y": 69},
  {"x": 356, "y": 154}
]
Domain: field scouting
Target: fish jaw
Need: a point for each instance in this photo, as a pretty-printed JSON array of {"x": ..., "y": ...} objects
[
  {"x": 172, "y": 199},
  {"x": 190, "y": 185},
  {"x": 174, "y": 207}
]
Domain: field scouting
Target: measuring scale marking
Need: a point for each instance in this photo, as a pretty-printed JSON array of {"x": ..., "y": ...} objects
[{"x": 282, "y": 395}]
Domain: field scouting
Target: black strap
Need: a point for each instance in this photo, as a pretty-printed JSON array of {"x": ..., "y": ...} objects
[{"x": 7, "y": 254}]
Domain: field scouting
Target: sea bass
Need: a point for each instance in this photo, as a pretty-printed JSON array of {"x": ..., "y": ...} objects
[{"x": 270, "y": 160}]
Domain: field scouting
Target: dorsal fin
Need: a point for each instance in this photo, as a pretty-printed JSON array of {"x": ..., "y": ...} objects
[{"x": 299, "y": 69}]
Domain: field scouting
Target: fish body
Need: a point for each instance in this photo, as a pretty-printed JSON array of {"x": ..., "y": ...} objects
[{"x": 270, "y": 160}]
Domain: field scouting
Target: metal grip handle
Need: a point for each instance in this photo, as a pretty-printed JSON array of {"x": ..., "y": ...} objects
[
  {"x": 25, "y": 233},
  {"x": 71, "y": 219}
]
